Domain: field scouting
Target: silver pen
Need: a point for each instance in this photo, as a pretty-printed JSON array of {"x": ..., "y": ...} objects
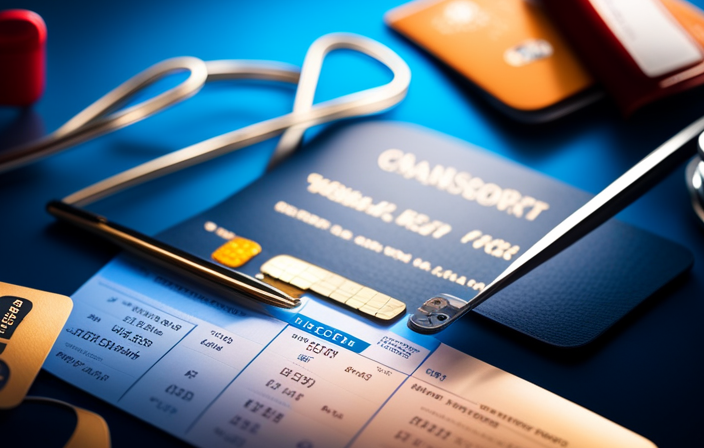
[{"x": 170, "y": 256}]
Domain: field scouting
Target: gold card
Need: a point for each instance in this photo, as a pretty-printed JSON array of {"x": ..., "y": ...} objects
[
  {"x": 91, "y": 430},
  {"x": 30, "y": 322}
]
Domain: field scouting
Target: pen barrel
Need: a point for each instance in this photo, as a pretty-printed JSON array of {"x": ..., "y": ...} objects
[
  {"x": 618, "y": 195},
  {"x": 170, "y": 257},
  {"x": 614, "y": 198}
]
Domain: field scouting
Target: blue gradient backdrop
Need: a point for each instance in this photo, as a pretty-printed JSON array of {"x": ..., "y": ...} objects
[{"x": 645, "y": 374}]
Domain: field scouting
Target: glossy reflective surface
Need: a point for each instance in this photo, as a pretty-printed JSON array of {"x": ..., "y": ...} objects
[{"x": 645, "y": 374}]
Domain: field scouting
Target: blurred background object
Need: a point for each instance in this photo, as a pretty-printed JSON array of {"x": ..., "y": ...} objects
[{"x": 22, "y": 57}]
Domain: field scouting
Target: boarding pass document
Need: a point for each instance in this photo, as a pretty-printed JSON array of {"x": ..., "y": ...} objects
[{"x": 218, "y": 374}]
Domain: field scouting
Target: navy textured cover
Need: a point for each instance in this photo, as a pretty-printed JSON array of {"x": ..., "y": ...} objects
[{"x": 566, "y": 302}]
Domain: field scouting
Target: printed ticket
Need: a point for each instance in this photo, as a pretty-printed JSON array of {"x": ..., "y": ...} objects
[
  {"x": 220, "y": 374},
  {"x": 456, "y": 400}
]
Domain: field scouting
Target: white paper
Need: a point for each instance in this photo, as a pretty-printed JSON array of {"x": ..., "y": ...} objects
[{"x": 217, "y": 374}]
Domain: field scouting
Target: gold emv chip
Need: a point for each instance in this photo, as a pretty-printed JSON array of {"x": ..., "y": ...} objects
[
  {"x": 236, "y": 252},
  {"x": 307, "y": 276}
]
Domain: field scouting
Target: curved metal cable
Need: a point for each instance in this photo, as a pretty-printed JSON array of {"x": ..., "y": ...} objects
[{"x": 364, "y": 102}]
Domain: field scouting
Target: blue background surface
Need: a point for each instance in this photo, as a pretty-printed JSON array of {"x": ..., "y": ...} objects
[{"x": 644, "y": 374}]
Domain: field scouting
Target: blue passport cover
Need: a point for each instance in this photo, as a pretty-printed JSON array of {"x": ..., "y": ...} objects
[{"x": 413, "y": 213}]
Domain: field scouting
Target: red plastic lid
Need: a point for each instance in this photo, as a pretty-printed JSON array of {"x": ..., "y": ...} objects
[{"x": 21, "y": 30}]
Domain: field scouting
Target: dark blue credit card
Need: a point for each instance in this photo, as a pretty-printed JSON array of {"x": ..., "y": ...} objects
[{"x": 412, "y": 213}]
